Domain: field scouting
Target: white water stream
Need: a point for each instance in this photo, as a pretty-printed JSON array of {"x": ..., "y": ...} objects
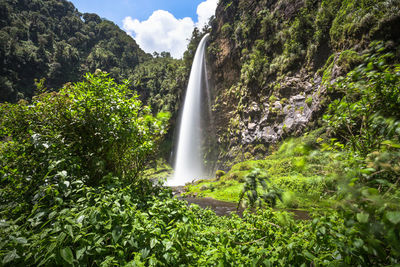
[{"x": 189, "y": 157}]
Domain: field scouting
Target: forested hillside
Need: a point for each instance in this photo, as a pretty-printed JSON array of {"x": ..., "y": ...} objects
[{"x": 51, "y": 39}]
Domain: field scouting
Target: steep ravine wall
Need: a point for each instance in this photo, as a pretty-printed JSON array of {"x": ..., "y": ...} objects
[{"x": 272, "y": 60}]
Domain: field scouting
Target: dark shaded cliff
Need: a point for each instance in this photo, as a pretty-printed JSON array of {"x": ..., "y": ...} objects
[{"x": 271, "y": 61}]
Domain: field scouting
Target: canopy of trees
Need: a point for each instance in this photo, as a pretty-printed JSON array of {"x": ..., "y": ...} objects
[{"x": 51, "y": 39}]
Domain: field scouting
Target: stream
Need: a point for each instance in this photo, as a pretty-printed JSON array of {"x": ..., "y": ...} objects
[{"x": 224, "y": 208}]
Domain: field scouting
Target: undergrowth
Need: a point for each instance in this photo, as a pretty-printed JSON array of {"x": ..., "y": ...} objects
[
  {"x": 112, "y": 225},
  {"x": 301, "y": 172}
]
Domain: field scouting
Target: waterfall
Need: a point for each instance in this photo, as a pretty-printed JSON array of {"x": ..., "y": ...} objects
[{"x": 189, "y": 157}]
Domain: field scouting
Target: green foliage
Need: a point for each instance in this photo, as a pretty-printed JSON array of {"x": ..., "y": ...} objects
[
  {"x": 93, "y": 130},
  {"x": 226, "y": 29},
  {"x": 295, "y": 170},
  {"x": 160, "y": 81},
  {"x": 269, "y": 195},
  {"x": 219, "y": 173},
  {"x": 195, "y": 39},
  {"x": 370, "y": 94},
  {"x": 343, "y": 63},
  {"x": 51, "y": 39},
  {"x": 114, "y": 225},
  {"x": 353, "y": 19},
  {"x": 159, "y": 170},
  {"x": 272, "y": 99},
  {"x": 365, "y": 119},
  {"x": 309, "y": 101},
  {"x": 69, "y": 222},
  {"x": 71, "y": 191},
  {"x": 255, "y": 69},
  {"x": 271, "y": 42},
  {"x": 92, "y": 226}
]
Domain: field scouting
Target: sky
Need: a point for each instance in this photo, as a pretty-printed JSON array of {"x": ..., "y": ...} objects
[{"x": 156, "y": 25}]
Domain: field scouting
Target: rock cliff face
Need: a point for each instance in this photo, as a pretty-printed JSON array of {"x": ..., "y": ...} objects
[{"x": 272, "y": 61}]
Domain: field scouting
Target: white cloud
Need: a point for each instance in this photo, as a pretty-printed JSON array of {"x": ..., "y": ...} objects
[
  {"x": 205, "y": 10},
  {"x": 163, "y": 32}
]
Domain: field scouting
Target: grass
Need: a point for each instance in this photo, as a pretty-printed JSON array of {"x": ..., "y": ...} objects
[
  {"x": 304, "y": 173},
  {"x": 161, "y": 170},
  {"x": 220, "y": 190}
]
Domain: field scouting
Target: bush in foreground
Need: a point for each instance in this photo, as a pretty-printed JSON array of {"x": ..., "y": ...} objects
[{"x": 91, "y": 131}]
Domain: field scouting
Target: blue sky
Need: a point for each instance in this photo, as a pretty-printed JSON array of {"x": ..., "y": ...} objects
[
  {"x": 156, "y": 25},
  {"x": 117, "y": 10}
]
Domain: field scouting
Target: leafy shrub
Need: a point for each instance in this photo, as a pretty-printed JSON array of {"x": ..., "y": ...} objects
[
  {"x": 369, "y": 90},
  {"x": 255, "y": 179},
  {"x": 113, "y": 225},
  {"x": 365, "y": 119},
  {"x": 94, "y": 130}
]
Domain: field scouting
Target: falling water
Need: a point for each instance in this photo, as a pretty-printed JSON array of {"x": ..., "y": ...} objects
[{"x": 189, "y": 158}]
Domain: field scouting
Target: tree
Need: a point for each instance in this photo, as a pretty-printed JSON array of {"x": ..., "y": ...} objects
[
  {"x": 51, "y": 39},
  {"x": 91, "y": 131}
]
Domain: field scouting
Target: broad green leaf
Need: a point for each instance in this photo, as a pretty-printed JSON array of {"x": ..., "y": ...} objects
[
  {"x": 45, "y": 260},
  {"x": 393, "y": 216},
  {"x": 80, "y": 219},
  {"x": 4, "y": 223},
  {"x": 391, "y": 143},
  {"x": 61, "y": 238},
  {"x": 40, "y": 214},
  {"x": 267, "y": 263},
  {"x": 80, "y": 252},
  {"x": 52, "y": 214},
  {"x": 362, "y": 217},
  {"x": 66, "y": 254},
  {"x": 322, "y": 230},
  {"x": 21, "y": 240},
  {"x": 77, "y": 238},
  {"x": 116, "y": 233},
  {"x": 107, "y": 262},
  {"x": 153, "y": 262},
  {"x": 10, "y": 256},
  {"x": 68, "y": 227},
  {"x": 308, "y": 255},
  {"x": 358, "y": 243},
  {"x": 167, "y": 244},
  {"x": 144, "y": 253},
  {"x": 153, "y": 242}
]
